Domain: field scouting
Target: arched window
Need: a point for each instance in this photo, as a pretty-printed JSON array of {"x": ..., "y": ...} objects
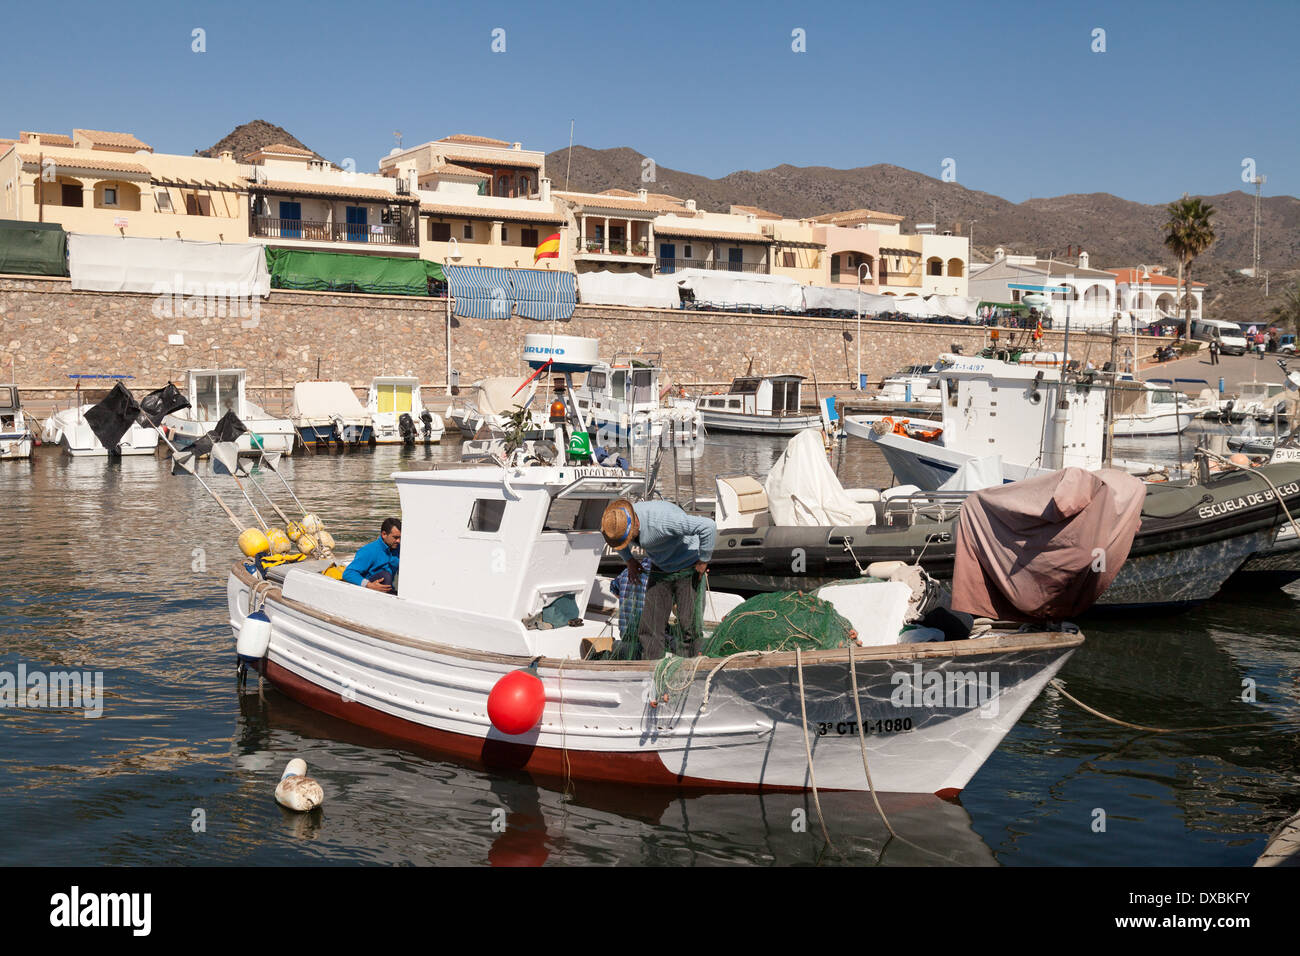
[
  {"x": 934, "y": 266},
  {"x": 956, "y": 268}
]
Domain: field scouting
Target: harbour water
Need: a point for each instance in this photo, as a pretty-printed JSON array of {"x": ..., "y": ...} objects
[{"x": 119, "y": 568}]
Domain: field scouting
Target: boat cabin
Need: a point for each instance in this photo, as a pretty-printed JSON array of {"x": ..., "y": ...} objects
[
  {"x": 213, "y": 392},
  {"x": 758, "y": 395},
  {"x": 619, "y": 390}
]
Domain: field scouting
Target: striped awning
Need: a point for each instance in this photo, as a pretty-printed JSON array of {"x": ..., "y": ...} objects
[
  {"x": 542, "y": 294},
  {"x": 480, "y": 292}
]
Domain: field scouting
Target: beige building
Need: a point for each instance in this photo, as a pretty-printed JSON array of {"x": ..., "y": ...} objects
[
  {"x": 508, "y": 171},
  {"x": 615, "y": 230},
  {"x": 108, "y": 183},
  {"x": 300, "y": 201}
]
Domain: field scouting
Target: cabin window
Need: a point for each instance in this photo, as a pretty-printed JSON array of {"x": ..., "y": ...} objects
[
  {"x": 574, "y": 514},
  {"x": 486, "y": 515},
  {"x": 733, "y": 403},
  {"x": 596, "y": 380}
]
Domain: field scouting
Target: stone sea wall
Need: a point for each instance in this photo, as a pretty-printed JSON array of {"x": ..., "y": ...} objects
[{"x": 47, "y": 331}]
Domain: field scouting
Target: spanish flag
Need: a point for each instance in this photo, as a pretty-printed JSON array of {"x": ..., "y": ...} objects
[{"x": 548, "y": 248}]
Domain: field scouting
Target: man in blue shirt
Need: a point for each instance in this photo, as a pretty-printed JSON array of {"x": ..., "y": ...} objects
[
  {"x": 679, "y": 547},
  {"x": 375, "y": 565}
]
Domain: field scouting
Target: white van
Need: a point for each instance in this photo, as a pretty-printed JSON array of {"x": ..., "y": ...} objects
[{"x": 1228, "y": 334}]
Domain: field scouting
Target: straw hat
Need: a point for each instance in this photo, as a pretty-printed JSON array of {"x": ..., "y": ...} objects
[{"x": 618, "y": 524}]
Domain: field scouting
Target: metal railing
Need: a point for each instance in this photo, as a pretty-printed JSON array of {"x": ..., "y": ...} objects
[
  {"x": 387, "y": 234},
  {"x": 617, "y": 247},
  {"x": 671, "y": 265}
]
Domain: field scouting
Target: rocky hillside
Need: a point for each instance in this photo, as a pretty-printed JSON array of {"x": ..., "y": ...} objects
[{"x": 250, "y": 137}]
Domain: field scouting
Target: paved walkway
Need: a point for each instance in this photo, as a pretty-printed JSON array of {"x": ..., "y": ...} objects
[{"x": 1234, "y": 369}]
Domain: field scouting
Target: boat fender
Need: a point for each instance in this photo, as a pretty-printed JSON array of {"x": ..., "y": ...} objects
[
  {"x": 297, "y": 791},
  {"x": 307, "y": 544},
  {"x": 516, "y": 701},
  {"x": 252, "y": 542},
  {"x": 254, "y": 637},
  {"x": 280, "y": 543},
  {"x": 294, "y": 530},
  {"x": 325, "y": 540},
  {"x": 311, "y": 524}
]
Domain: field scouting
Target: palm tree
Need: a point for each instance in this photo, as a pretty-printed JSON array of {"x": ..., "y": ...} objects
[
  {"x": 1188, "y": 233},
  {"x": 1288, "y": 311}
]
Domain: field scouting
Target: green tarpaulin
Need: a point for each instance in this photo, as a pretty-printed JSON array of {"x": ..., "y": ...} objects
[
  {"x": 342, "y": 272},
  {"x": 33, "y": 248}
]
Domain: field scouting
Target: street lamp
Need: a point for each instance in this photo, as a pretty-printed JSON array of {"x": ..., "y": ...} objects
[
  {"x": 861, "y": 266},
  {"x": 453, "y": 255}
]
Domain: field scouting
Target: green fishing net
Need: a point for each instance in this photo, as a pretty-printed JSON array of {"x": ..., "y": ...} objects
[{"x": 780, "y": 621}]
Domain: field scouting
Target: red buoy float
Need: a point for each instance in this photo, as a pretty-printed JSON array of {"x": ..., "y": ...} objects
[{"x": 516, "y": 701}]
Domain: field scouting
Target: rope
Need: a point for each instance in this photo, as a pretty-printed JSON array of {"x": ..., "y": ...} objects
[
  {"x": 708, "y": 681},
  {"x": 1057, "y": 683},
  {"x": 807, "y": 747},
  {"x": 564, "y": 736}
]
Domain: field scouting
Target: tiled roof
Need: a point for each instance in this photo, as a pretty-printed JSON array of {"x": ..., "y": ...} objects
[
  {"x": 318, "y": 189},
  {"x": 47, "y": 139},
  {"x": 87, "y": 162},
  {"x": 602, "y": 201},
  {"x": 518, "y": 159},
  {"x": 755, "y": 211},
  {"x": 707, "y": 234},
  {"x": 454, "y": 170},
  {"x": 1152, "y": 278},
  {"x": 281, "y": 149},
  {"x": 855, "y": 215},
  {"x": 482, "y": 212},
  {"x": 656, "y": 197},
  {"x": 100, "y": 137},
  {"x": 468, "y": 138}
]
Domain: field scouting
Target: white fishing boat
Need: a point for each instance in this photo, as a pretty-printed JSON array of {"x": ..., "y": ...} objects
[
  {"x": 1144, "y": 409},
  {"x": 213, "y": 392},
  {"x": 914, "y": 384},
  {"x": 422, "y": 666},
  {"x": 328, "y": 412},
  {"x": 626, "y": 400},
  {"x": 399, "y": 414},
  {"x": 761, "y": 404},
  {"x": 15, "y": 437},
  {"x": 1033, "y": 417},
  {"x": 485, "y": 404},
  {"x": 70, "y": 429}
]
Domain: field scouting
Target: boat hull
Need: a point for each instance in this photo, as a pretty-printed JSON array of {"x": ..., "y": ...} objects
[
  {"x": 15, "y": 446},
  {"x": 598, "y": 722},
  {"x": 275, "y": 434},
  {"x": 758, "y": 424},
  {"x": 1152, "y": 425}
]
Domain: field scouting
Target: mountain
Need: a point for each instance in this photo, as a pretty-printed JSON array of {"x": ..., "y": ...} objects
[
  {"x": 1116, "y": 232},
  {"x": 250, "y": 137}
]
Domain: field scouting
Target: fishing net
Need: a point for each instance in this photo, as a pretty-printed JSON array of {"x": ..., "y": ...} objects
[
  {"x": 780, "y": 621},
  {"x": 632, "y": 603}
]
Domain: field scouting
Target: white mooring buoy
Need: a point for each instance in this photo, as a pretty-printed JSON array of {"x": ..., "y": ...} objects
[{"x": 296, "y": 790}]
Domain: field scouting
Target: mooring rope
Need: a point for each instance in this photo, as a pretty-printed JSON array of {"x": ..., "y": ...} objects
[
  {"x": 1057, "y": 683},
  {"x": 807, "y": 746}
]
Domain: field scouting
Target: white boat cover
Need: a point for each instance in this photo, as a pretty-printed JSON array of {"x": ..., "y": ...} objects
[
  {"x": 495, "y": 395},
  {"x": 953, "y": 306},
  {"x": 316, "y": 400},
  {"x": 802, "y": 489},
  {"x": 876, "y": 609},
  {"x": 613, "y": 288},
  {"x": 722, "y": 288},
  {"x": 172, "y": 266},
  {"x": 976, "y": 475},
  {"x": 842, "y": 300}
]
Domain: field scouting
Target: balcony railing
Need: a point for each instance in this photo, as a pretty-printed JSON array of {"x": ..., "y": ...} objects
[
  {"x": 617, "y": 247},
  {"x": 672, "y": 265},
  {"x": 384, "y": 234}
]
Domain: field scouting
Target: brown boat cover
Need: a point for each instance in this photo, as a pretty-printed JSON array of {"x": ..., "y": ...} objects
[{"x": 1045, "y": 548}]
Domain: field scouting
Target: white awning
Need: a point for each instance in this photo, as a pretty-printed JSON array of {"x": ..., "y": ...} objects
[
  {"x": 613, "y": 288},
  {"x": 167, "y": 266},
  {"x": 724, "y": 289}
]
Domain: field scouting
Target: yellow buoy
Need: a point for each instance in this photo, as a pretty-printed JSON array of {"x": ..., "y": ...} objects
[
  {"x": 306, "y": 544},
  {"x": 311, "y": 524},
  {"x": 333, "y": 571},
  {"x": 253, "y": 542},
  {"x": 294, "y": 530},
  {"x": 326, "y": 540},
  {"x": 280, "y": 543}
]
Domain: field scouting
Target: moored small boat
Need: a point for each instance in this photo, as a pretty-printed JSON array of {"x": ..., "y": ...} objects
[
  {"x": 329, "y": 412},
  {"x": 399, "y": 414},
  {"x": 15, "y": 436}
]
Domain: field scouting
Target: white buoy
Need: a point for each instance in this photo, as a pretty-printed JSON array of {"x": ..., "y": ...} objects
[
  {"x": 254, "y": 636},
  {"x": 296, "y": 790}
]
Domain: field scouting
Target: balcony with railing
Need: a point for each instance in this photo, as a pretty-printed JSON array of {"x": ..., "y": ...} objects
[
  {"x": 616, "y": 247},
  {"x": 666, "y": 266},
  {"x": 382, "y": 234}
]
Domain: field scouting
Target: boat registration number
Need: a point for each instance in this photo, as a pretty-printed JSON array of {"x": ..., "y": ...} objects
[{"x": 897, "y": 725}]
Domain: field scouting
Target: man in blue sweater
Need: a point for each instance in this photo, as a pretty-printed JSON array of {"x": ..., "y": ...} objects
[
  {"x": 679, "y": 547},
  {"x": 375, "y": 565}
]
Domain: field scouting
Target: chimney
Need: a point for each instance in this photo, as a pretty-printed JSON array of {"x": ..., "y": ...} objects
[
  {"x": 544, "y": 187},
  {"x": 227, "y": 156},
  {"x": 690, "y": 205},
  {"x": 642, "y": 195},
  {"x": 516, "y": 145},
  {"x": 413, "y": 177},
  {"x": 33, "y": 139},
  {"x": 999, "y": 254},
  {"x": 751, "y": 217},
  {"x": 1083, "y": 259}
]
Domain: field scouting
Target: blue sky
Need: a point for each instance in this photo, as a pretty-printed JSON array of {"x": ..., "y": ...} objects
[{"x": 1012, "y": 92}]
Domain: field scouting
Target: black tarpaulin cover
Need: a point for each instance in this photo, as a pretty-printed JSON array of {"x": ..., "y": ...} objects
[
  {"x": 160, "y": 403},
  {"x": 111, "y": 418}
]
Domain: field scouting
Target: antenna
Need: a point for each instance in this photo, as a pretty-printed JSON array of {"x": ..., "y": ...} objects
[
  {"x": 1258, "y": 181},
  {"x": 569, "y": 158},
  {"x": 397, "y": 135}
]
